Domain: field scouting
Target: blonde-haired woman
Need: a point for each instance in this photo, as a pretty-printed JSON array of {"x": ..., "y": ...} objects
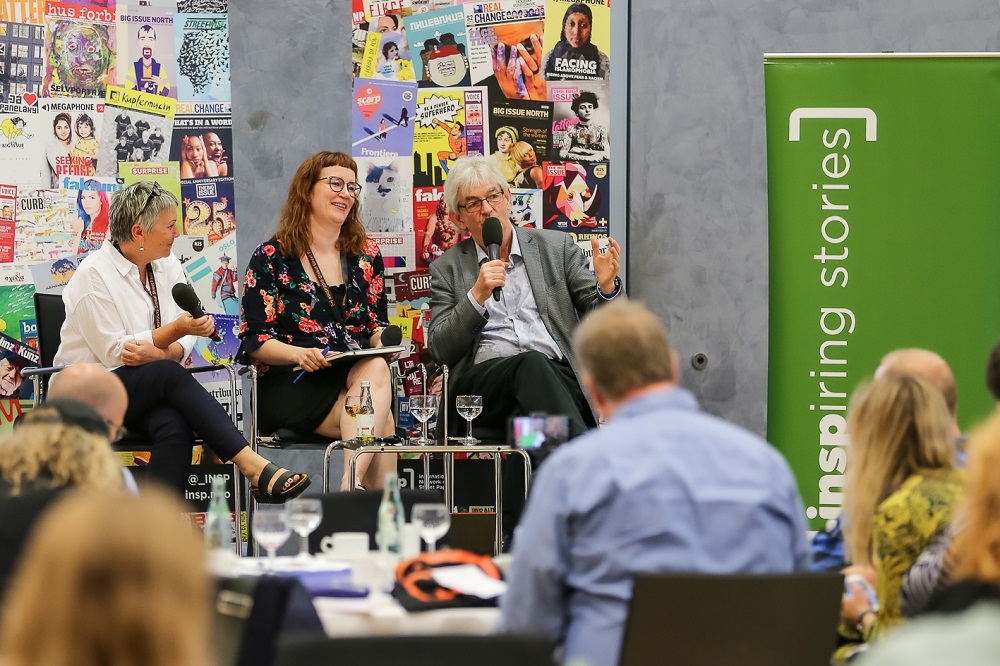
[
  {"x": 964, "y": 631},
  {"x": 110, "y": 580},
  {"x": 45, "y": 453},
  {"x": 901, "y": 488}
]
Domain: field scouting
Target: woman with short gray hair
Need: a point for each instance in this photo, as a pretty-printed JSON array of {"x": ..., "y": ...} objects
[{"x": 120, "y": 313}]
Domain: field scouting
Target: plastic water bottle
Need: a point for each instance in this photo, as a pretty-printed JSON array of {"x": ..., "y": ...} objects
[
  {"x": 390, "y": 518},
  {"x": 366, "y": 414},
  {"x": 218, "y": 525}
]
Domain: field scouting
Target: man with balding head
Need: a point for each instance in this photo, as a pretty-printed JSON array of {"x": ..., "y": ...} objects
[
  {"x": 662, "y": 486},
  {"x": 924, "y": 364},
  {"x": 98, "y": 387}
]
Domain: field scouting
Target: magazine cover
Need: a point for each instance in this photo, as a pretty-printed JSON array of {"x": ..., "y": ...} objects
[
  {"x": 81, "y": 52},
  {"x": 434, "y": 231},
  {"x": 203, "y": 143},
  {"x": 137, "y": 128},
  {"x": 581, "y": 116},
  {"x": 386, "y": 188},
  {"x": 199, "y": 6},
  {"x": 147, "y": 58},
  {"x": 386, "y": 55},
  {"x": 521, "y": 139},
  {"x": 438, "y": 48},
  {"x": 577, "y": 40},
  {"x": 576, "y": 197},
  {"x": 397, "y": 255},
  {"x": 15, "y": 356},
  {"x": 24, "y": 136},
  {"x": 222, "y": 352},
  {"x": 208, "y": 208},
  {"x": 450, "y": 123},
  {"x": 202, "y": 57},
  {"x": 45, "y": 228},
  {"x": 89, "y": 201},
  {"x": 50, "y": 277},
  {"x": 76, "y": 125},
  {"x": 8, "y": 204},
  {"x": 22, "y": 60},
  {"x": 505, "y": 47},
  {"x": 382, "y": 120},
  {"x": 525, "y": 208},
  {"x": 167, "y": 174},
  {"x": 211, "y": 270}
]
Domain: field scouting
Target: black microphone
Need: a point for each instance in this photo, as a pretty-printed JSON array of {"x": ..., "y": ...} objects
[
  {"x": 391, "y": 336},
  {"x": 188, "y": 301},
  {"x": 492, "y": 239}
]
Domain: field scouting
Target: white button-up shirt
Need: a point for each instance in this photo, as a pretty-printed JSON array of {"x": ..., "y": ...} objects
[{"x": 107, "y": 306}]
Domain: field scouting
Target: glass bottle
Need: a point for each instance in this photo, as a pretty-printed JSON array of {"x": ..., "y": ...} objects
[
  {"x": 218, "y": 521},
  {"x": 365, "y": 418},
  {"x": 390, "y": 517}
]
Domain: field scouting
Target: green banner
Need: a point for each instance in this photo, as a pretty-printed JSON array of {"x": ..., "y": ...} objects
[{"x": 884, "y": 232}]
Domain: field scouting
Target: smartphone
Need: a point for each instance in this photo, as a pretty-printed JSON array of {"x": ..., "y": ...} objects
[{"x": 535, "y": 432}]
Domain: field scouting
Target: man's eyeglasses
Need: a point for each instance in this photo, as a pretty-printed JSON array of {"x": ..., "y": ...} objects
[
  {"x": 338, "y": 185},
  {"x": 153, "y": 193},
  {"x": 476, "y": 205},
  {"x": 118, "y": 432}
]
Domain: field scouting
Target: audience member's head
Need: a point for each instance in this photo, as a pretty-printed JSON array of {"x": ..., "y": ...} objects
[
  {"x": 623, "y": 348},
  {"x": 96, "y": 386},
  {"x": 977, "y": 544},
  {"x": 993, "y": 373},
  {"x": 61, "y": 443},
  {"x": 899, "y": 424},
  {"x": 928, "y": 366},
  {"x": 110, "y": 580}
]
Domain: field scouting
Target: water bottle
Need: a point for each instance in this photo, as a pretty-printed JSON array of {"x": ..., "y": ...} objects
[
  {"x": 366, "y": 414},
  {"x": 390, "y": 518},
  {"x": 218, "y": 525}
]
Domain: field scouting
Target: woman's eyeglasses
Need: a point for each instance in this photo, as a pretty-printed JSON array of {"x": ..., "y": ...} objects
[
  {"x": 338, "y": 185},
  {"x": 153, "y": 193}
]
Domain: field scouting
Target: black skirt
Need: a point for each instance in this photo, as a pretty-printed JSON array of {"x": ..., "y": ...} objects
[{"x": 303, "y": 405}]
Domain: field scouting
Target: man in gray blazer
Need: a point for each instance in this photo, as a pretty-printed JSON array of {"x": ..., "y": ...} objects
[{"x": 515, "y": 352}]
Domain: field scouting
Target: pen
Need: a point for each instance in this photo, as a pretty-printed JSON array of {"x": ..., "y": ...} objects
[{"x": 299, "y": 376}]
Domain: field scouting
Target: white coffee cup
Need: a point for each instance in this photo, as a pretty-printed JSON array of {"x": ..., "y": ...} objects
[{"x": 345, "y": 544}]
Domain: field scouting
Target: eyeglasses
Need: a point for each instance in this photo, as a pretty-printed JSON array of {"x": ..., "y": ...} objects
[
  {"x": 338, "y": 185},
  {"x": 118, "y": 432},
  {"x": 153, "y": 193},
  {"x": 476, "y": 205}
]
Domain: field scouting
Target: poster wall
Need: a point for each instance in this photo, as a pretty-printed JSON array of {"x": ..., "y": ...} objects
[{"x": 883, "y": 228}]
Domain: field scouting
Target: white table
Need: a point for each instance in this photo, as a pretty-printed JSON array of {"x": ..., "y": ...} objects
[{"x": 381, "y": 615}]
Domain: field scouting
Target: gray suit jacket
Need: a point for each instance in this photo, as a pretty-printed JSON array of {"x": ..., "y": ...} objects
[{"x": 563, "y": 287}]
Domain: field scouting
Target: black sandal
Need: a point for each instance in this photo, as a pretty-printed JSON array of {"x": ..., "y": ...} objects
[{"x": 278, "y": 493}]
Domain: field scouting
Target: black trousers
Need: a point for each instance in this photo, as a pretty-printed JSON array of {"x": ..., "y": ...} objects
[
  {"x": 168, "y": 405},
  {"x": 517, "y": 386}
]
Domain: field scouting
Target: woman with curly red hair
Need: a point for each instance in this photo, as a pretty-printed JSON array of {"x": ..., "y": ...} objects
[{"x": 318, "y": 284}]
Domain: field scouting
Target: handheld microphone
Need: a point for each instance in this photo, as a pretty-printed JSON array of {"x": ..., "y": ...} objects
[
  {"x": 188, "y": 301},
  {"x": 492, "y": 239},
  {"x": 391, "y": 336}
]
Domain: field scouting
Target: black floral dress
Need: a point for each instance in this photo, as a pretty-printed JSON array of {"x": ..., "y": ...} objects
[{"x": 281, "y": 302}]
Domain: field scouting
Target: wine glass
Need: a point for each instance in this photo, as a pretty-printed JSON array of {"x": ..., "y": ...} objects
[
  {"x": 433, "y": 521},
  {"x": 469, "y": 407},
  {"x": 271, "y": 530},
  {"x": 304, "y": 516},
  {"x": 352, "y": 405},
  {"x": 423, "y": 407}
]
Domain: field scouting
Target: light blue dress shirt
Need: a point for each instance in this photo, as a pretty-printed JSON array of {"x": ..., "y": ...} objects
[{"x": 662, "y": 487}]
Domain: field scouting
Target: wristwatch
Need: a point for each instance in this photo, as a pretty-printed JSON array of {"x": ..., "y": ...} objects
[{"x": 860, "y": 626}]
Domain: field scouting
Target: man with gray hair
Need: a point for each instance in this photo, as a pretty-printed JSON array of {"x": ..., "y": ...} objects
[
  {"x": 661, "y": 487},
  {"x": 514, "y": 350}
]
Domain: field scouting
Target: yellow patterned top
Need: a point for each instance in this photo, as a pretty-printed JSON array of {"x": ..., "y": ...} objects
[{"x": 906, "y": 523}]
